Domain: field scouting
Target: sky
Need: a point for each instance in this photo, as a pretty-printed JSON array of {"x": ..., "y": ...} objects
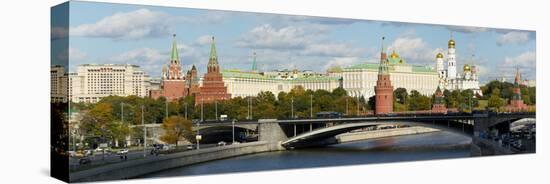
[{"x": 103, "y": 33}]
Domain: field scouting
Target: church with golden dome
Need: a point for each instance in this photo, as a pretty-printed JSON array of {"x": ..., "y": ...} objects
[{"x": 450, "y": 78}]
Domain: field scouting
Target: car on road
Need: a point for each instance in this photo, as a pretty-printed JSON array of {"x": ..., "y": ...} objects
[
  {"x": 72, "y": 153},
  {"x": 84, "y": 160},
  {"x": 122, "y": 151},
  {"x": 222, "y": 143},
  {"x": 191, "y": 147}
]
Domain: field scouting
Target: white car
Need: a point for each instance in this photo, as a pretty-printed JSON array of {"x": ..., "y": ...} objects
[
  {"x": 221, "y": 143},
  {"x": 72, "y": 153},
  {"x": 122, "y": 151}
]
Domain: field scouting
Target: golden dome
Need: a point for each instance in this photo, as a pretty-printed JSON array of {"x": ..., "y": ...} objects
[
  {"x": 466, "y": 68},
  {"x": 439, "y": 55},
  {"x": 394, "y": 55},
  {"x": 451, "y": 43}
]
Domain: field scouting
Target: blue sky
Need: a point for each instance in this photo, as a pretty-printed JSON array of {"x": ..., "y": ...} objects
[{"x": 142, "y": 35}]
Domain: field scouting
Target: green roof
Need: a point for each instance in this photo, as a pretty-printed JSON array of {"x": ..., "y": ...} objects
[
  {"x": 254, "y": 75},
  {"x": 368, "y": 66},
  {"x": 374, "y": 67},
  {"x": 397, "y": 60},
  {"x": 422, "y": 69}
]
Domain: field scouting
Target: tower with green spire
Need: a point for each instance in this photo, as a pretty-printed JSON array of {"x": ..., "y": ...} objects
[
  {"x": 383, "y": 68},
  {"x": 254, "y": 65},
  {"x": 173, "y": 80},
  {"x": 213, "y": 88},
  {"x": 174, "y": 68},
  {"x": 174, "y": 57},
  {"x": 213, "y": 59},
  {"x": 383, "y": 90}
]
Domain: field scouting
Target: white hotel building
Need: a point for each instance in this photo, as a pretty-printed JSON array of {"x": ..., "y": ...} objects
[
  {"x": 92, "y": 82},
  {"x": 58, "y": 84}
]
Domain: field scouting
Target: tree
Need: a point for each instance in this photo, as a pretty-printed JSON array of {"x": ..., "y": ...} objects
[
  {"x": 401, "y": 96},
  {"x": 339, "y": 92},
  {"x": 265, "y": 106},
  {"x": 175, "y": 128},
  {"x": 372, "y": 102},
  {"x": 494, "y": 100},
  {"x": 418, "y": 101},
  {"x": 97, "y": 121}
]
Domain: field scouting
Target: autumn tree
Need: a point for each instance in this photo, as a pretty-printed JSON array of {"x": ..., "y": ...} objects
[
  {"x": 175, "y": 128},
  {"x": 99, "y": 121}
]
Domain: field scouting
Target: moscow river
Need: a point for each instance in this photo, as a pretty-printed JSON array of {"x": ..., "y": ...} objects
[{"x": 437, "y": 145}]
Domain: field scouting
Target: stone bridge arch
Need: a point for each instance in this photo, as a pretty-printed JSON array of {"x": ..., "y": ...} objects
[{"x": 327, "y": 136}]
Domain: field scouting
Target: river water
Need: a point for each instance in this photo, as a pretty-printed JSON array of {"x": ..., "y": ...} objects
[{"x": 437, "y": 145}]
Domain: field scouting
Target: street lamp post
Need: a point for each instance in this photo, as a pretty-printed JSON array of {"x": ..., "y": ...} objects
[
  {"x": 202, "y": 109},
  {"x": 185, "y": 110},
  {"x": 74, "y": 140},
  {"x": 470, "y": 100},
  {"x": 144, "y": 131},
  {"x": 347, "y": 106},
  {"x": 233, "y": 131},
  {"x": 216, "y": 109},
  {"x": 311, "y": 105},
  {"x": 166, "y": 108},
  {"x": 249, "y": 114},
  {"x": 198, "y": 137},
  {"x": 122, "y": 112},
  {"x": 357, "y": 106},
  {"x": 292, "y": 108}
]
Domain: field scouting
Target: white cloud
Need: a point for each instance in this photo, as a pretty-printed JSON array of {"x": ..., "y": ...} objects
[
  {"x": 76, "y": 54},
  {"x": 513, "y": 37},
  {"x": 143, "y": 56},
  {"x": 150, "y": 60},
  {"x": 303, "y": 40},
  {"x": 137, "y": 24},
  {"x": 72, "y": 54},
  {"x": 466, "y": 29},
  {"x": 59, "y": 33},
  {"x": 525, "y": 59},
  {"x": 191, "y": 55},
  {"x": 268, "y": 37},
  {"x": 341, "y": 62},
  {"x": 413, "y": 49},
  {"x": 203, "y": 40},
  {"x": 332, "y": 49}
]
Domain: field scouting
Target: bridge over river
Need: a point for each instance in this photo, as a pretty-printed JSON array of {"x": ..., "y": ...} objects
[{"x": 277, "y": 135}]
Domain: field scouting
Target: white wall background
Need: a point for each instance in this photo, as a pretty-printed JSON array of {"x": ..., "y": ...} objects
[{"x": 24, "y": 70}]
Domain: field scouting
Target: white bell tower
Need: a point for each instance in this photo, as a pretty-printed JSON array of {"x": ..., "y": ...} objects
[{"x": 451, "y": 60}]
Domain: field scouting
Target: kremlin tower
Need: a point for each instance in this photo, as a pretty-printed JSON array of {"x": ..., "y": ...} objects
[
  {"x": 516, "y": 103},
  {"x": 192, "y": 81},
  {"x": 173, "y": 80},
  {"x": 383, "y": 89},
  {"x": 213, "y": 88},
  {"x": 439, "y": 102}
]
